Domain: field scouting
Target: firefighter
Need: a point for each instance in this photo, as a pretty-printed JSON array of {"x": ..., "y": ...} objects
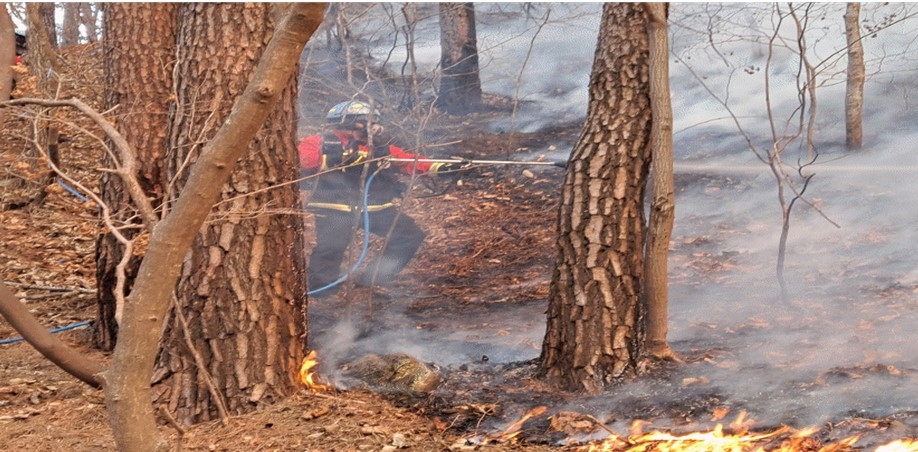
[{"x": 338, "y": 196}]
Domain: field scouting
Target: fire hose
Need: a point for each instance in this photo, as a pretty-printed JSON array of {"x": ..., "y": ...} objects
[
  {"x": 479, "y": 162},
  {"x": 366, "y": 210},
  {"x": 366, "y": 220}
]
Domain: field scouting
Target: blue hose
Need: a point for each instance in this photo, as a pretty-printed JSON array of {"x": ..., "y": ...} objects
[
  {"x": 72, "y": 191},
  {"x": 366, "y": 240},
  {"x": 56, "y": 330},
  {"x": 363, "y": 255}
]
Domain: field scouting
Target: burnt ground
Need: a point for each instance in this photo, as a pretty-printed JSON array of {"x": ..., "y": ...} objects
[{"x": 473, "y": 299}]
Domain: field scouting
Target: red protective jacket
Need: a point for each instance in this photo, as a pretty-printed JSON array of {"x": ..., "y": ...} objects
[{"x": 342, "y": 189}]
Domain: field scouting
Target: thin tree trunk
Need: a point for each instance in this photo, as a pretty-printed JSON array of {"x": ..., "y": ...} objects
[
  {"x": 460, "y": 83},
  {"x": 594, "y": 311},
  {"x": 854, "y": 89},
  {"x": 88, "y": 19},
  {"x": 68, "y": 359},
  {"x": 70, "y": 28},
  {"x": 663, "y": 204},
  {"x": 128, "y": 392}
]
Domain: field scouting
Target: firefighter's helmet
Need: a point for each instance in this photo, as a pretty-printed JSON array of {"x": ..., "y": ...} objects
[{"x": 352, "y": 115}]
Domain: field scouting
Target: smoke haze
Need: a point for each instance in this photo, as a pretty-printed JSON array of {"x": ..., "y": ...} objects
[{"x": 845, "y": 343}]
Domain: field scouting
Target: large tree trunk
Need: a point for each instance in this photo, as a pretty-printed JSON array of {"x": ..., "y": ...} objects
[
  {"x": 854, "y": 92},
  {"x": 7, "y": 56},
  {"x": 594, "y": 314},
  {"x": 127, "y": 382},
  {"x": 460, "y": 83},
  {"x": 238, "y": 334},
  {"x": 139, "y": 56},
  {"x": 663, "y": 204}
]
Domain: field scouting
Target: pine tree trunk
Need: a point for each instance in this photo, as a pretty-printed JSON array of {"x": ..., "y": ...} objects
[
  {"x": 7, "y": 56},
  {"x": 460, "y": 83},
  {"x": 594, "y": 314},
  {"x": 237, "y": 337},
  {"x": 139, "y": 53}
]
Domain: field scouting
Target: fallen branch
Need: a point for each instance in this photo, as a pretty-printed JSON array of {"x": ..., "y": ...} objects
[
  {"x": 50, "y": 288},
  {"x": 72, "y": 361}
]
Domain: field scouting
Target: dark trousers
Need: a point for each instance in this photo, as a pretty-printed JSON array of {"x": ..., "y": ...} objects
[{"x": 334, "y": 232}]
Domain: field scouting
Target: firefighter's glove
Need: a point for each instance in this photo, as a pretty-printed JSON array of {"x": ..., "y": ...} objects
[{"x": 448, "y": 168}]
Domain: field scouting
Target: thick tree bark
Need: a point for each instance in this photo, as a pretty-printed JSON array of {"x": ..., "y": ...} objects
[
  {"x": 854, "y": 92},
  {"x": 241, "y": 294},
  {"x": 663, "y": 204},
  {"x": 139, "y": 57},
  {"x": 7, "y": 56},
  {"x": 128, "y": 392},
  {"x": 594, "y": 313},
  {"x": 460, "y": 83}
]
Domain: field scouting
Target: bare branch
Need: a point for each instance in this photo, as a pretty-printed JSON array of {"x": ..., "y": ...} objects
[{"x": 128, "y": 157}]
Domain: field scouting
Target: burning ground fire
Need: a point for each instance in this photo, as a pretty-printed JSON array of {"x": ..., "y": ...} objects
[
  {"x": 783, "y": 439},
  {"x": 308, "y": 376},
  {"x": 738, "y": 438}
]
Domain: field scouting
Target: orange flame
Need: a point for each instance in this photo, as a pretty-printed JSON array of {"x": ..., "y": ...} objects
[
  {"x": 716, "y": 440},
  {"x": 308, "y": 376},
  {"x": 900, "y": 445},
  {"x": 514, "y": 429}
]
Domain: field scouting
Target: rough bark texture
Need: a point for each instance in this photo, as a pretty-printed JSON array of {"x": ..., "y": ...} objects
[
  {"x": 663, "y": 204},
  {"x": 241, "y": 292},
  {"x": 460, "y": 84},
  {"x": 7, "y": 55},
  {"x": 139, "y": 57},
  {"x": 593, "y": 334},
  {"x": 127, "y": 381},
  {"x": 854, "y": 93}
]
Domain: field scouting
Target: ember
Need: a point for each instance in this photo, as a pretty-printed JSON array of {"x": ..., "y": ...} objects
[{"x": 308, "y": 376}]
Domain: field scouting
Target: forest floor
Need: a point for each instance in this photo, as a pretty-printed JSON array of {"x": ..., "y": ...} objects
[{"x": 481, "y": 278}]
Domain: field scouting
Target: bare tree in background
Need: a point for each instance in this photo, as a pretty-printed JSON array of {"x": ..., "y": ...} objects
[
  {"x": 70, "y": 25},
  {"x": 594, "y": 312},
  {"x": 663, "y": 198},
  {"x": 460, "y": 84},
  {"x": 854, "y": 89},
  {"x": 88, "y": 18},
  {"x": 139, "y": 58},
  {"x": 42, "y": 43}
]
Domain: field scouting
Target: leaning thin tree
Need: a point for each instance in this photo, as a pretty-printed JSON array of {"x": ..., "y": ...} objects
[{"x": 594, "y": 315}]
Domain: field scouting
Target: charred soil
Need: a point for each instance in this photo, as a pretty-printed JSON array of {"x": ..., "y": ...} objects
[{"x": 474, "y": 297}]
